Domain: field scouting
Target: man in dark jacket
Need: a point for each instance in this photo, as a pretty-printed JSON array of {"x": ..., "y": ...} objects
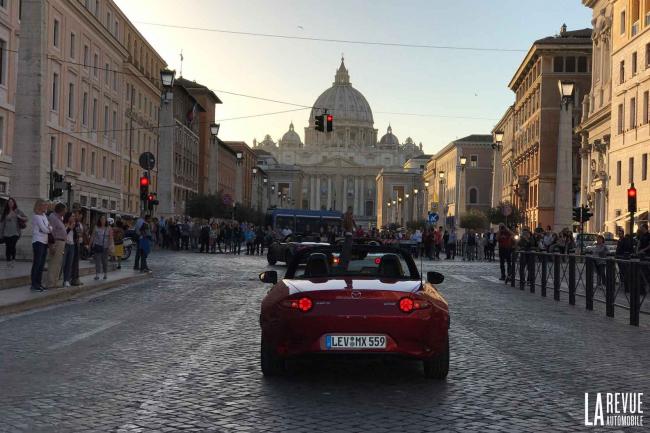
[
  {"x": 505, "y": 240},
  {"x": 624, "y": 249}
]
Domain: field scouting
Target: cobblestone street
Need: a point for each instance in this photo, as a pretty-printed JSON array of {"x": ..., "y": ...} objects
[{"x": 181, "y": 351}]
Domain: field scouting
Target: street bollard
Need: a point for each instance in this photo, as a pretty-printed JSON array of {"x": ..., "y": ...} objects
[
  {"x": 556, "y": 276},
  {"x": 635, "y": 292},
  {"x": 572, "y": 280},
  {"x": 522, "y": 269},
  {"x": 513, "y": 261},
  {"x": 589, "y": 283},
  {"x": 610, "y": 287},
  {"x": 542, "y": 257},
  {"x": 531, "y": 271}
]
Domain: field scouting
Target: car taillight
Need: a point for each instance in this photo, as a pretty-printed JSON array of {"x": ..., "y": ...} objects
[
  {"x": 406, "y": 305},
  {"x": 303, "y": 304}
]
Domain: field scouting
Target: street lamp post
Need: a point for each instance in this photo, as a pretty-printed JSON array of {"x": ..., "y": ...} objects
[
  {"x": 166, "y": 144},
  {"x": 214, "y": 131},
  {"x": 441, "y": 197},
  {"x": 460, "y": 202},
  {"x": 265, "y": 182},
  {"x": 564, "y": 166},
  {"x": 239, "y": 181},
  {"x": 497, "y": 173},
  {"x": 388, "y": 211},
  {"x": 258, "y": 199},
  {"x": 417, "y": 204}
]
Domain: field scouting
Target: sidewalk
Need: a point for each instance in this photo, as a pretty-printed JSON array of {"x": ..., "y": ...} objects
[{"x": 16, "y": 296}]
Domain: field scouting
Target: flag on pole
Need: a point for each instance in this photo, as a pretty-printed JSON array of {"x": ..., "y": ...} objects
[{"x": 191, "y": 114}]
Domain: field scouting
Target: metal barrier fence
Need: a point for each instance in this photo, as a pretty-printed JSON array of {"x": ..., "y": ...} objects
[{"x": 613, "y": 282}]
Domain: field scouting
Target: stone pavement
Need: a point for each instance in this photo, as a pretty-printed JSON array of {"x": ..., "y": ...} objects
[{"x": 181, "y": 352}]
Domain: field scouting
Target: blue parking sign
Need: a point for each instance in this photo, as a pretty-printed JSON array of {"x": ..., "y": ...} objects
[{"x": 433, "y": 218}]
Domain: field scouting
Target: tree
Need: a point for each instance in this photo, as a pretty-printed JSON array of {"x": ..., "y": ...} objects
[
  {"x": 207, "y": 206},
  {"x": 495, "y": 215},
  {"x": 474, "y": 220}
]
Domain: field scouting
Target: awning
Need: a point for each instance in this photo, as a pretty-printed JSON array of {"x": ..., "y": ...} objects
[{"x": 641, "y": 215}]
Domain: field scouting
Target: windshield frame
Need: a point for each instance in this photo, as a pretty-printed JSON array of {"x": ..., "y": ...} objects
[{"x": 328, "y": 250}]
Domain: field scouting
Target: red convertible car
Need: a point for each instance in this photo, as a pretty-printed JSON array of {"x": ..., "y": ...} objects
[{"x": 372, "y": 303}]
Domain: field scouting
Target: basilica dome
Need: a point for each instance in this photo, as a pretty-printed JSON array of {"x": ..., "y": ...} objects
[
  {"x": 290, "y": 138},
  {"x": 343, "y": 101},
  {"x": 389, "y": 139}
]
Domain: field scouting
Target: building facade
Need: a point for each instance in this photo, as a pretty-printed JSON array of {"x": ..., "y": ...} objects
[
  {"x": 532, "y": 161},
  {"x": 244, "y": 181},
  {"x": 595, "y": 128},
  {"x": 338, "y": 169},
  {"x": 630, "y": 126},
  {"x": 75, "y": 109},
  {"x": 502, "y": 173},
  {"x": 226, "y": 169}
]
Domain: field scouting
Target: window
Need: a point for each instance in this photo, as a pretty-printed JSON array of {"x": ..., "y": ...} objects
[
  {"x": 644, "y": 167},
  {"x": 83, "y": 160},
  {"x": 582, "y": 64},
  {"x": 95, "y": 65},
  {"x": 108, "y": 20},
  {"x": 104, "y": 167},
  {"x": 106, "y": 126},
  {"x": 72, "y": 45},
  {"x": 570, "y": 64},
  {"x": 634, "y": 63},
  {"x": 115, "y": 79},
  {"x": 630, "y": 167},
  {"x": 621, "y": 72},
  {"x": 86, "y": 56},
  {"x": 94, "y": 127},
  {"x": 114, "y": 128},
  {"x": 2, "y": 133},
  {"x": 84, "y": 112},
  {"x": 646, "y": 97},
  {"x": 69, "y": 158},
  {"x": 55, "y": 33},
  {"x": 3, "y": 4},
  {"x": 473, "y": 195},
  {"x": 622, "y": 23},
  {"x": 558, "y": 64},
  {"x": 647, "y": 56},
  {"x": 635, "y": 16},
  {"x": 632, "y": 113},
  {"x": 3, "y": 62},
  {"x": 92, "y": 163},
  {"x": 55, "y": 91},
  {"x": 71, "y": 100},
  {"x": 473, "y": 161},
  {"x": 112, "y": 169},
  {"x": 620, "y": 118},
  {"x": 106, "y": 68},
  {"x": 618, "y": 173}
]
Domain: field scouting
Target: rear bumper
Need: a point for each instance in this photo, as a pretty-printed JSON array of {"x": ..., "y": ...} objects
[{"x": 412, "y": 336}]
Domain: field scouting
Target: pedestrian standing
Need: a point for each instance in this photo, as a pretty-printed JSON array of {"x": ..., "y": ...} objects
[
  {"x": 185, "y": 235},
  {"x": 40, "y": 231},
  {"x": 205, "y": 237},
  {"x": 136, "y": 241},
  {"x": 100, "y": 242},
  {"x": 68, "y": 254},
  {"x": 144, "y": 244},
  {"x": 471, "y": 245},
  {"x": 12, "y": 222},
  {"x": 451, "y": 245},
  {"x": 80, "y": 241},
  {"x": 505, "y": 241},
  {"x": 195, "y": 233},
  {"x": 57, "y": 245},
  {"x": 118, "y": 242},
  {"x": 214, "y": 235},
  {"x": 600, "y": 252},
  {"x": 349, "y": 225}
]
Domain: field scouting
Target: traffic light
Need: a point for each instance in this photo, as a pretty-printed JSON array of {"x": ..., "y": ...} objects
[
  {"x": 57, "y": 185},
  {"x": 144, "y": 187},
  {"x": 152, "y": 200},
  {"x": 319, "y": 121},
  {"x": 576, "y": 214},
  {"x": 631, "y": 199},
  {"x": 330, "y": 121},
  {"x": 586, "y": 214}
]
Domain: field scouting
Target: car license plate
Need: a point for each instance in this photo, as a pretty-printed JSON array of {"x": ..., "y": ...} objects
[{"x": 337, "y": 342}]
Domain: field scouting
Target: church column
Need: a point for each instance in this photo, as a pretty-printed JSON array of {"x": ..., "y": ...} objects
[
  {"x": 355, "y": 200},
  {"x": 344, "y": 195},
  {"x": 312, "y": 202},
  {"x": 317, "y": 202},
  {"x": 362, "y": 195},
  {"x": 329, "y": 192}
]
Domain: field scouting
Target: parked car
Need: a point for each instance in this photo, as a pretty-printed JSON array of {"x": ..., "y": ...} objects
[{"x": 284, "y": 250}]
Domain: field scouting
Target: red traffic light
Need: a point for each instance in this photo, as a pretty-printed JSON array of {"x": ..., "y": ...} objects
[
  {"x": 330, "y": 117},
  {"x": 631, "y": 192},
  {"x": 150, "y": 197},
  {"x": 144, "y": 181}
]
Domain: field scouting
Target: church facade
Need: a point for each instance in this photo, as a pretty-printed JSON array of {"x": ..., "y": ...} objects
[{"x": 337, "y": 169}]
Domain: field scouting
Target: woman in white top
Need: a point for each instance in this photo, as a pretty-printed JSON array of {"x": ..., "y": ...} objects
[
  {"x": 101, "y": 240},
  {"x": 40, "y": 229}
]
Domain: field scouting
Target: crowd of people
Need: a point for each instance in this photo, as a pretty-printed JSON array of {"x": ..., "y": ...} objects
[{"x": 62, "y": 236}]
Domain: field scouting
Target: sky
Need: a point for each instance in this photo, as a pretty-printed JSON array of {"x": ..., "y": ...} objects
[{"x": 461, "y": 92}]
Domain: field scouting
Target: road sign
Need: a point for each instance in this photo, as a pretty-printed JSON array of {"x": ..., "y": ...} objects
[
  {"x": 433, "y": 218},
  {"x": 506, "y": 210},
  {"x": 227, "y": 199},
  {"x": 147, "y": 161}
]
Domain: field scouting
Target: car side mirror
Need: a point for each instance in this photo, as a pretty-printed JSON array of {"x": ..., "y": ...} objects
[
  {"x": 269, "y": 277},
  {"x": 435, "y": 277}
]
